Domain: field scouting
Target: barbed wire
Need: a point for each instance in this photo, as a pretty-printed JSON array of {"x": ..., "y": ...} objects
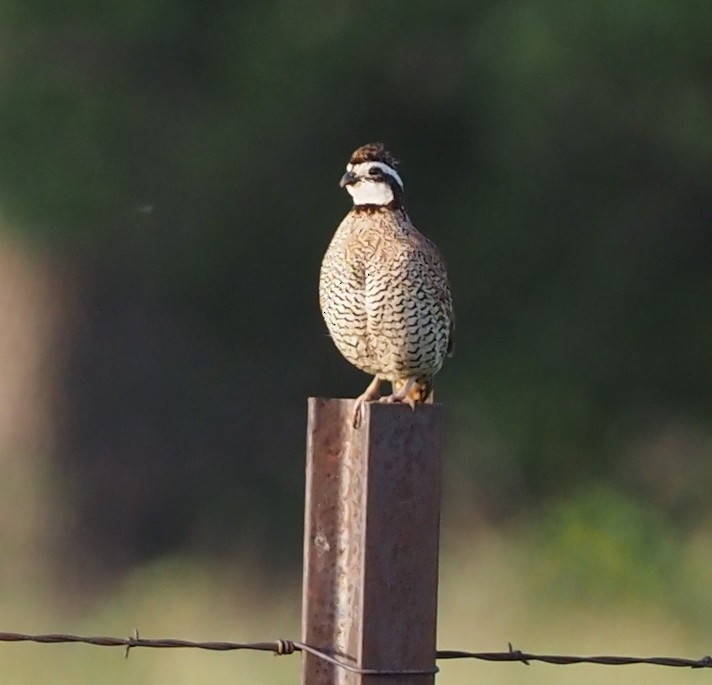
[
  {"x": 526, "y": 658},
  {"x": 283, "y": 647}
]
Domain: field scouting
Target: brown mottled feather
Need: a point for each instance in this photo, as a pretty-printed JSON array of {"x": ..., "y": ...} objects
[
  {"x": 373, "y": 152},
  {"x": 385, "y": 295}
]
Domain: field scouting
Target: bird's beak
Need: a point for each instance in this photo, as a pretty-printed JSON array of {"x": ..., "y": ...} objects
[{"x": 349, "y": 178}]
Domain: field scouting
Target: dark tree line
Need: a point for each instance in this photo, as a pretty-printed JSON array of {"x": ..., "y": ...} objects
[{"x": 182, "y": 160}]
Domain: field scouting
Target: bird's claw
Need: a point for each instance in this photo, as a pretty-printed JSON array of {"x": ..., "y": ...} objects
[
  {"x": 371, "y": 393},
  {"x": 397, "y": 399},
  {"x": 357, "y": 418}
]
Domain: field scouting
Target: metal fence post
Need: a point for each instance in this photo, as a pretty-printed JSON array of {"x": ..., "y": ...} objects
[{"x": 371, "y": 539}]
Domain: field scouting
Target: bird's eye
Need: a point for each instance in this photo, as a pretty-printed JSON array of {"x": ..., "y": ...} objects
[{"x": 374, "y": 171}]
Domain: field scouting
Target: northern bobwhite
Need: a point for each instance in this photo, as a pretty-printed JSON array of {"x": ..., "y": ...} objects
[{"x": 384, "y": 290}]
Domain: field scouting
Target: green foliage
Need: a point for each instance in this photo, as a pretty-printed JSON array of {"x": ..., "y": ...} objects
[{"x": 603, "y": 545}]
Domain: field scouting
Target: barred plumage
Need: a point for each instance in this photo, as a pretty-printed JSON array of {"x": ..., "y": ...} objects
[{"x": 384, "y": 290}]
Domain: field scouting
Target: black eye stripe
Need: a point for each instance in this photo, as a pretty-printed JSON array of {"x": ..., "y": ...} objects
[{"x": 376, "y": 172}]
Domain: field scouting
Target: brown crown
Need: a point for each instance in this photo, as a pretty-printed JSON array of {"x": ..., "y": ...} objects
[{"x": 373, "y": 152}]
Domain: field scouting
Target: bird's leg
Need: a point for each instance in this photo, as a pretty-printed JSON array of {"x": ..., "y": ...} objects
[
  {"x": 371, "y": 393},
  {"x": 402, "y": 395}
]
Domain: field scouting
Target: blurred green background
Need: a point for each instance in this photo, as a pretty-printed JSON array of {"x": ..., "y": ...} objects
[{"x": 168, "y": 185}]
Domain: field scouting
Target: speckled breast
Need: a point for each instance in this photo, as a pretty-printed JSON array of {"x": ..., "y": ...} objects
[{"x": 382, "y": 297}]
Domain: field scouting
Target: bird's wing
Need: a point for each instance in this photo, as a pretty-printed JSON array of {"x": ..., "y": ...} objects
[{"x": 440, "y": 288}]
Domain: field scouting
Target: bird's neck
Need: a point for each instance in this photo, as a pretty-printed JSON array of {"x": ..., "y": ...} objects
[{"x": 395, "y": 205}]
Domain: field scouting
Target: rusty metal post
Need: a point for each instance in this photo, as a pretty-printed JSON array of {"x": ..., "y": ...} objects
[{"x": 371, "y": 540}]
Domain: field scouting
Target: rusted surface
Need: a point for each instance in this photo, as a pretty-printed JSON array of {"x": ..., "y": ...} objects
[
  {"x": 332, "y": 543},
  {"x": 371, "y": 541}
]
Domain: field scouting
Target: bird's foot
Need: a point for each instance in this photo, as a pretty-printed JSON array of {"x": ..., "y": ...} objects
[
  {"x": 403, "y": 396},
  {"x": 398, "y": 398},
  {"x": 370, "y": 394}
]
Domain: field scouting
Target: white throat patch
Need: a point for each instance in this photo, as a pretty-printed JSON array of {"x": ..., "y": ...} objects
[
  {"x": 368, "y": 190},
  {"x": 370, "y": 193}
]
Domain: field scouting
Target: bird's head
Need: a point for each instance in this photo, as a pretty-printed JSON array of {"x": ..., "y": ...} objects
[{"x": 371, "y": 177}]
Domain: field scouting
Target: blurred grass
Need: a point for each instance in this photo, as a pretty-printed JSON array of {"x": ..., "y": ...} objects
[
  {"x": 577, "y": 582},
  {"x": 176, "y": 597}
]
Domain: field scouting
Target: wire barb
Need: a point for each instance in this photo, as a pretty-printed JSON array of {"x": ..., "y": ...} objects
[
  {"x": 520, "y": 656},
  {"x": 131, "y": 642}
]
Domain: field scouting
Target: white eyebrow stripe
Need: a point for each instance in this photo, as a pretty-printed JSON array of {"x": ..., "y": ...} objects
[{"x": 362, "y": 170}]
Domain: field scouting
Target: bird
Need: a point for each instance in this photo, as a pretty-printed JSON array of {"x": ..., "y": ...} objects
[{"x": 383, "y": 287}]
